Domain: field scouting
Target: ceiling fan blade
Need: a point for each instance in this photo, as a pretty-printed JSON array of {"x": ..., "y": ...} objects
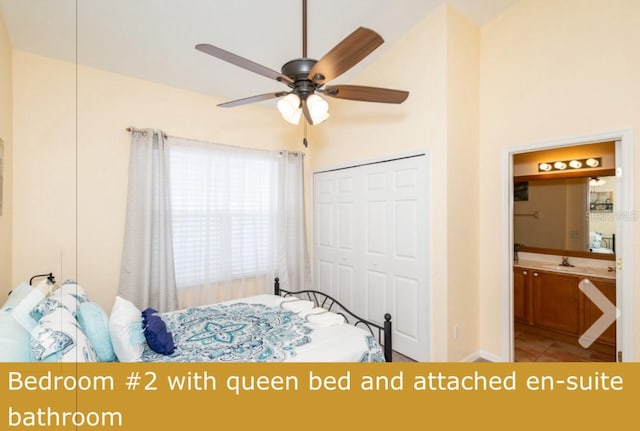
[
  {"x": 366, "y": 94},
  {"x": 253, "y": 99},
  {"x": 346, "y": 54},
  {"x": 305, "y": 112},
  {"x": 249, "y": 65}
]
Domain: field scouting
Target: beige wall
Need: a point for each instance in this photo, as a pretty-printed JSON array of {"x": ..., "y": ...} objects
[
  {"x": 463, "y": 62},
  {"x": 6, "y": 134},
  {"x": 437, "y": 61},
  {"x": 49, "y": 226},
  {"x": 549, "y": 70}
]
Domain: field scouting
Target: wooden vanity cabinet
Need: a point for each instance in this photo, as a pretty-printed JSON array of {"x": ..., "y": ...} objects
[
  {"x": 551, "y": 302},
  {"x": 591, "y": 312},
  {"x": 522, "y": 295},
  {"x": 555, "y": 302}
]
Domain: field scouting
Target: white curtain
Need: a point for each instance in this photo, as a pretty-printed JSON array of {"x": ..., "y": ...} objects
[
  {"x": 238, "y": 221},
  {"x": 293, "y": 258},
  {"x": 224, "y": 218},
  {"x": 147, "y": 275},
  {"x": 208, "y": 223}
]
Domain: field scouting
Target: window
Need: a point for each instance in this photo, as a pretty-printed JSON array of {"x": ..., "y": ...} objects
[{"x": 224, "y": 209}]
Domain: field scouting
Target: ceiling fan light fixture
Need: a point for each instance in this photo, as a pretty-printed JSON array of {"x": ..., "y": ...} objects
[
  {"x": 289, "y": 107},
  {"x": 318, "y": 108}
]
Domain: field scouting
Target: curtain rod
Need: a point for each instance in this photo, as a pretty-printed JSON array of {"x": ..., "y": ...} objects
[{"x": 133, "y": 129}]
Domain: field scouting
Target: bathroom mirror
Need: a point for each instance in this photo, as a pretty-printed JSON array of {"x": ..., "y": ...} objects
[{"x": 568, "y": 216}]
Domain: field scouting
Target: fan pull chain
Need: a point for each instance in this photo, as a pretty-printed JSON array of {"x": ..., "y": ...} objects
[{"x": 304, "y": 140}]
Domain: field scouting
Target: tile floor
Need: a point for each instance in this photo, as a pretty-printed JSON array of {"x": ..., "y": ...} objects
[
  {"x": 397, "y": 357},
  {"x": 536, "y": 348}
]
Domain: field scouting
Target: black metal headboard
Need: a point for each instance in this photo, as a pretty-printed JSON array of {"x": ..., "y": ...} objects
[
  {"x": 49, "y": 276},
  {"x": 325, "y": 301}
]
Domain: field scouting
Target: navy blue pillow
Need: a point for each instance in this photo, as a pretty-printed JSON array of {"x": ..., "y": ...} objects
[{"x": 155, "y": 331}]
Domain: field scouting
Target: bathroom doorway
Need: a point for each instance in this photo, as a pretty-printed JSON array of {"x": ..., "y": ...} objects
[{"x": 567, "y": 202}]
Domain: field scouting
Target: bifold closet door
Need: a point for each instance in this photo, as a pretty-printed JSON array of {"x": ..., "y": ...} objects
[{"x": 370, "y": 245}]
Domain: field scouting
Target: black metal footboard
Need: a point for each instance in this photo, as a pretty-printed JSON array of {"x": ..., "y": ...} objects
[{"x": 321, "y": 299}]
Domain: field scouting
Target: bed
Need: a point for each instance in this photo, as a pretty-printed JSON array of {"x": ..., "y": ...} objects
[
  {"x": 306, "y": 326},
  {"x": 598, "y": 243},
  {"x": 59, "y": 324}
]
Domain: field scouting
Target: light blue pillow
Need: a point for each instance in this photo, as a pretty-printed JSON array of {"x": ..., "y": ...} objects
[
  {"x": 95, "y": 324},
  {"x": 17, "y": 295},
  {"x": 14, "y": 339}
]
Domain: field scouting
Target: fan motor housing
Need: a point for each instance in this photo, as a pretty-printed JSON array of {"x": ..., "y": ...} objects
[{"x": 298, "y": 69}]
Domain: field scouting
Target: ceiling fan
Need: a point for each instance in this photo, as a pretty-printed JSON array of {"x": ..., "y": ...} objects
[{"x": 306, "y": 77}]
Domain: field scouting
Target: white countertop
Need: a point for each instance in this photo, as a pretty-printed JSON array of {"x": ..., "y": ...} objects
[{"x": 582, "y": 267}]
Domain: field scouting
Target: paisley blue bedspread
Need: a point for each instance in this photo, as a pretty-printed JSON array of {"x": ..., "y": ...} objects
[{"x": 237, "y": 332}]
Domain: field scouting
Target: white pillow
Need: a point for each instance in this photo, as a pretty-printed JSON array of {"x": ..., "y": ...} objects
[
  {"x": 57, "y": 337},
  {"x": 125, "y": 329}
]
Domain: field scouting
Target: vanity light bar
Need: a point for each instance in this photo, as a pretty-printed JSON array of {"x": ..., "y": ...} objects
[{"x": 563, "y": 165}]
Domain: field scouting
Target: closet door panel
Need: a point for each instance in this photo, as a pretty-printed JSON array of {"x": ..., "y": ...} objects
[{"x": 370, "y": 226}]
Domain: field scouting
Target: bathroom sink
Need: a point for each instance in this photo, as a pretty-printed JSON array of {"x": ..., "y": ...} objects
[{"x": 564, "y": 268}]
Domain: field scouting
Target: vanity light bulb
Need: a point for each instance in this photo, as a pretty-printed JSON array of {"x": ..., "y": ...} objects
[
  {"x": 544, "y": 167},
  {"x": 593, "y": 163},
  {"x": 560, "y": 165},
  {"x": 575, "y": 164}
]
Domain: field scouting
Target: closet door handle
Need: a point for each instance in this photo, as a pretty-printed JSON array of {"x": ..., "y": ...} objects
[
  {"x": 535, "y": 274},
  {"x": 525, "y": 272}
]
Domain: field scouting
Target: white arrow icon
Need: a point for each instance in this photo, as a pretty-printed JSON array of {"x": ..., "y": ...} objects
[{"x": 609, "y": 313}]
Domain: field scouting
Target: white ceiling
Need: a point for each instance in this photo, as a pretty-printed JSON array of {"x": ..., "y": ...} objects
[{"x": 154, "y": 39}]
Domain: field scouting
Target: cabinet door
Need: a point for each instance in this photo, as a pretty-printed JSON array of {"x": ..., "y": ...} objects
[
  {"x": 556, "y": 302},
  {"x": 521, "y": 293},
  {"x": 591, "y": 312}
]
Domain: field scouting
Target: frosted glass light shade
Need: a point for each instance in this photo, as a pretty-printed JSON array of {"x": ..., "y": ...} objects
[
  {"x": 593, "y": 163},
  {"x": 575, "y": 164},
  {"x": 560, "y": 165},
  {"x": 289, "y": 107},
  {"x": 318, "y": 108}
]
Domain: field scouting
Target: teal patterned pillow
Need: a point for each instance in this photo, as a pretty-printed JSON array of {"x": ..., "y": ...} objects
[
  {"x": 69, "y": 296},
  {"x": 57, "y": 337}
]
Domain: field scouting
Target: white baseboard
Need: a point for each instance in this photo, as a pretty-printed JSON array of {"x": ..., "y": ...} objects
[{"x": 482, "y": 355}]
